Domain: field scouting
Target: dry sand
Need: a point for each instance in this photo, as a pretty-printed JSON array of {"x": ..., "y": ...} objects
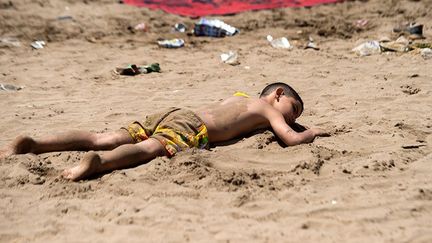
[{"x": 359, "y": 185}]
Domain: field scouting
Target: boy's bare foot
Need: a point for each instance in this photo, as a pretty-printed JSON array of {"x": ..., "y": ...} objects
[
  {"x": 21, "y": 145},
  {"x": 88, "y": 165}
]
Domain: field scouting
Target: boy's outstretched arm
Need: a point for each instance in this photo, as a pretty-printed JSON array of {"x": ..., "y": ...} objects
[{"x": 288, "y": 135}]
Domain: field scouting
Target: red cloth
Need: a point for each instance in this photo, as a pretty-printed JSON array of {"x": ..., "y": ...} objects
[{"x": 196, "y": 8}]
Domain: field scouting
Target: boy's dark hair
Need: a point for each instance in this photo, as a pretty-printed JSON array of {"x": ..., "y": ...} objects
[{"x": 288, "y": 91}]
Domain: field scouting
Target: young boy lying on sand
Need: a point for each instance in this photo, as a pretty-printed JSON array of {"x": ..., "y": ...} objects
[{"x": 173, "y": 130}]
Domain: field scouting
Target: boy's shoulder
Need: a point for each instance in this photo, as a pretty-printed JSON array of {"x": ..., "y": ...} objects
[
  {"x": 252, "y": 104},
  {"x": 259, "y": 106}
]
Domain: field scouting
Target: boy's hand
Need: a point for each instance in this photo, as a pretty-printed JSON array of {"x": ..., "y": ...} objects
[{"x": 319, "y": 132}]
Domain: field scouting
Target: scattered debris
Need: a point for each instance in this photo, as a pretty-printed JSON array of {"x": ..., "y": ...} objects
[
  {"x": 413, "y": 146},
  {"x": 141, "y": 27},
  {"x": 400, "y": 45},
  {"x": 230, "y": 58},
  {"x": 180, "y": 27},
  {"x": 311, "y": 44},
  {"x": 279, "y": 42},
  {"x": 174, "y": 43},
  {"x": 414, "y": 30},
  {"x": 10, "y": 87},
  {"x": 426, "y": 53},
  {"x": 38, "y": 44},
  {"x": 91, "y": 39},
  {"x": 9, "y": 42},
  {"x": 132, "y": 70},
  {"x": 214, "y": 28},
  {"x": 421, "y": 45},
  {"x": 361, "y": 23},
  {"x": 368, "y": 48}
]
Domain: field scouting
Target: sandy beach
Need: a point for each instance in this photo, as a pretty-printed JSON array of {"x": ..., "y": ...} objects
[{"x": 369, "y": 182}]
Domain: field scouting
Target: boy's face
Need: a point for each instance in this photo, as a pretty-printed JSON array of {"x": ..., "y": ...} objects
[{"x": 290, "y": 108}]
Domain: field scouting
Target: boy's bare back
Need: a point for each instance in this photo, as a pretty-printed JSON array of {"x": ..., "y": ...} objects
[{"x": 232, "y": 118}]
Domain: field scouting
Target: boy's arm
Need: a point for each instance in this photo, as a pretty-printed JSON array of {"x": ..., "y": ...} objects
[{"x": 287, "y": 134}]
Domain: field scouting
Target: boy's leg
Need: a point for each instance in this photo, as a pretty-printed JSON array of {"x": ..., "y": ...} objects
[
  {"x": 124, "y": 156},
  {"x": 73, "y": 140}
]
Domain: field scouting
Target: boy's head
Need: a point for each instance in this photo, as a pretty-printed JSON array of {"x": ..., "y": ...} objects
[{"x": 278, "y": 90}]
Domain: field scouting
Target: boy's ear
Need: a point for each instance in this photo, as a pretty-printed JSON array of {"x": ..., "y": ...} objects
[{"x": 279, "y": 93}]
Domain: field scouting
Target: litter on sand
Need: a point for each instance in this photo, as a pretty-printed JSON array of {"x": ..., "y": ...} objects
[
  {"x": 412, "y": 146},
  {"x": 311, "y": 44},
  {"x": 426, "y": 53},
  {"x": 399, "y": 45},
  {"x": 9, "y": 42},
  {"x": 368, "y": 48},
  {"x": 230, "y": 58},
  {"x": 133, "y": 69},
  {"x": 10, "y": 87},
  {"x": 38, "y": 44},
  {"x": 279, "y": 42},
  {"x": 214, "y": 28},
  {"x": 180, "y": 27},
  {"x": 174, "y": 43}
]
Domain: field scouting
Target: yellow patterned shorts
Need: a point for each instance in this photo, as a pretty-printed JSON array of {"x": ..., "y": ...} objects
[{"x": 176, "y": 129}]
